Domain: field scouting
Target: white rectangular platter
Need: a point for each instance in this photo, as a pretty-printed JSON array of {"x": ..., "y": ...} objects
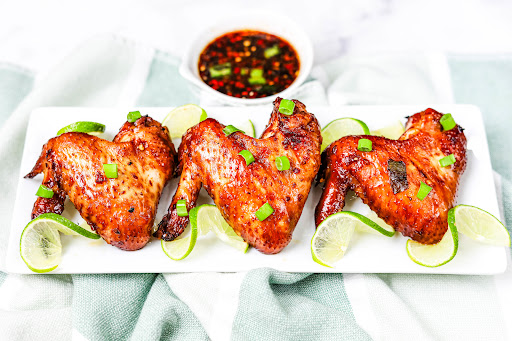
[{"x": 367, "y": 253}]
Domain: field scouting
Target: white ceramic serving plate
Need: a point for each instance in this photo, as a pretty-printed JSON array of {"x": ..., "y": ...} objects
[
  {"x": 367, "y": 253},
  {"x": 265, "y": 22}
]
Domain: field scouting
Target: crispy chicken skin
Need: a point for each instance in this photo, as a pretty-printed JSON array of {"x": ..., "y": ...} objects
[
  {"x": 421, "y": 146},
  {"x": 209, "y": 158},
  {"x": 122, "y": 210}
]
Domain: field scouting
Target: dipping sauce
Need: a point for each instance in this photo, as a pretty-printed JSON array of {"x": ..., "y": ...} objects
[{"x": 249, "y": 64}]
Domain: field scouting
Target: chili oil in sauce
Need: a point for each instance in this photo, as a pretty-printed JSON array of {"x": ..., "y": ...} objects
[{"x": 249, "y": 64}]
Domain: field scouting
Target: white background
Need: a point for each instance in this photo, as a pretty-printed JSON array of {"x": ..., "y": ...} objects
[{"x": 38, "y": 34}]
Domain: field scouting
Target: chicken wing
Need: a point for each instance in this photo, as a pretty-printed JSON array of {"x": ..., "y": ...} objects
[
  {"x": 209, "y": 158},
  {"x": 388, "y": 177},
  {"x": 121, "y": 210}
]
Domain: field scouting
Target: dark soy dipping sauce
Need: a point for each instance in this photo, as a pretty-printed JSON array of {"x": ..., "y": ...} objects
[{"x": 249, "y": 64}]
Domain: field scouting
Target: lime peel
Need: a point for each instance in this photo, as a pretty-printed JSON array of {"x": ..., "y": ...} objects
[{"x": 181, "y": 118}]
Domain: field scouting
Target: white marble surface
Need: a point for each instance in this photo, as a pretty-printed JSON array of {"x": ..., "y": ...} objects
[{"x": 38, "y": 34}]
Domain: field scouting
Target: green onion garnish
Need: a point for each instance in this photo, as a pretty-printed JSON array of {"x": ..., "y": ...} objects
[
  {"x": 282, "y": 163},
  {"x": 110, "y": 170},
  {"x": 220, "y": 70},
  {"x": 133, "y": 116},
  {"x": 244, "y": 71},
  {"x": 181, "y": 208},
  {"x": 423, "y": 191},
  {"x": 264, "y": 211},
  {"x": 258, "y": 80},
  {"x": 286, "y": 107},
  {"x": 256, "y": 73},
  {"x": 447, "y": 122},
  {"x": 247, "y": 155},
  {"x": 44, "y": 192},
  {"x": 271, "y": 51},
  {"x": 364, "y": 145},
  {"x": 231, "y": 129},
  {"x": 447, "y": 160}
]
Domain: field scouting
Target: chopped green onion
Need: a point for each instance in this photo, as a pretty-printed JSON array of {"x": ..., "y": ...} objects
[
  {"x": 181, "y": 208},
  {"x": 244, "y": 71},
  {"x": 110, "y": 170},
  {"x": 247, "y": 155},
  {"x": 257, "y": 80},
  {"x": 256, "y": 73},
  {"x": 264, "y": 211},
  {"x": 447, "y": 160},
  {"x": 282, "y": 163},
  {"x": 447, "y": 122},
  {"x": 271, "y": 51},
  {"x": 231, "y": 129},
  {"x": 220, "y": 70},
  {"x": 364, "y": 145},
  {"x": 423, "y": 191},
  {"x": 286, "y": 107},
  {"x": 133, "y": 116},
  {"x": 44, "y": 192}
]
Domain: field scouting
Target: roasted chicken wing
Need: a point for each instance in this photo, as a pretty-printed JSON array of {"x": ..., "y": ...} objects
[
  {"x": 121, "y": 210},
  {"x": 209, "y": 158},
  {"x": 388, "y": 177}
]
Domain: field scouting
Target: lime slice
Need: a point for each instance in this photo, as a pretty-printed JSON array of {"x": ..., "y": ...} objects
[
  {"x": 331, "y": 239},
  {"x": 248, "y": 128},
  {"x": 40, "y": 246},
  {"x": 392, "y": 132},
  {"x": 436, "y": 254},
  {"x": 92, "y": 128},
  {"x": 182, "y": 246},
  {"x": 376, "y": 226},
  {"x": 342, "y": 127},
  {"x": 180, "y": 119},
  {"x": 208, "y": 218},
  {"x": 480, "y": 225}
]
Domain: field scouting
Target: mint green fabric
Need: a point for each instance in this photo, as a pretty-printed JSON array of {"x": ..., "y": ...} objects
[
  {"x": 276, "y": 305},
  {"x": 15, "y": 84},
  {"x": 487, "y": 83},
  {"x": 131, "y": 307},
  {"x": 164, "y": 86}
]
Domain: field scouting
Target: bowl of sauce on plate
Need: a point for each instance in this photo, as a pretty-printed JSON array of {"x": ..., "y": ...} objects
[
  {"x": 249, "y": 64},
  {"x": 248, "y": 59}
]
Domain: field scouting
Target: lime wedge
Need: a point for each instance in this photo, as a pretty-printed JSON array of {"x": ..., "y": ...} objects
[
  {"x": 342, "y": 127},
  {"x": 40, "y": 246},
  {"x": 436, "y": 254},
  {"x": 480, "y": 225},
  {"x": 182, "y": 246},
  {"x": 376, "y": 226},
  {"x": 248, "y": 128},
  {"x": 331, "y": 239},
  {"x": 208, "y": 218},
  {"x": 180, "y": 119},
  {"x": 392, "y": 132},
  {"x": 92, "y": 128}
]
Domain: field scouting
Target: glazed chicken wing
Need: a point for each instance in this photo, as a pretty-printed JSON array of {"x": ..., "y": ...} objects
[
  {"x": 120, "y": 210},
  {"x": 388, "y": 177},
  {"x": 209, "y": 158}
]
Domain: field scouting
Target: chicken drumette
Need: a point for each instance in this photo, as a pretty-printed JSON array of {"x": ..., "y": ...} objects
[
  {"x": 121, "y": 210},
  {"x": 209, "y": 158},
  {"x": 388, "y": 177}
]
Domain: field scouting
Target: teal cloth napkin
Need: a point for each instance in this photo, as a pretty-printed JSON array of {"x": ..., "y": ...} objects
[{"x": 263, "y": 303}]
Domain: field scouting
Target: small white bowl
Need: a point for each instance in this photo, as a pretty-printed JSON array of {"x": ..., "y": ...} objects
[{"x": 259, "y": 21}]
